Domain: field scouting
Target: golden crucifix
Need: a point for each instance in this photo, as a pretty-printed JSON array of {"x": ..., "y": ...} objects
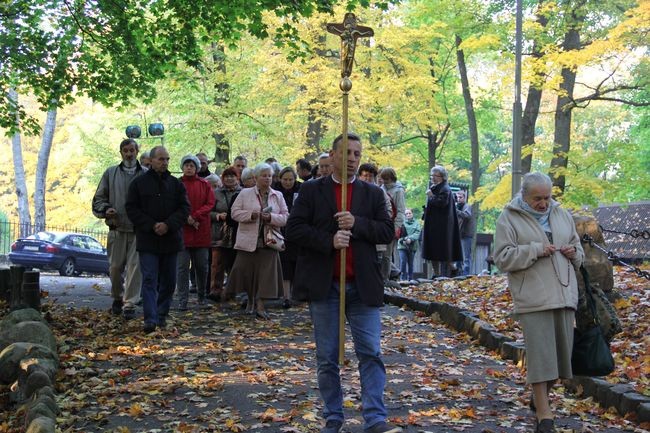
[{"x": 349, "y": 32}]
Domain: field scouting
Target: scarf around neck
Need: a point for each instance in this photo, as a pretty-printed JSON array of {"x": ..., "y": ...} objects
[{"x": 541, "y": 217}]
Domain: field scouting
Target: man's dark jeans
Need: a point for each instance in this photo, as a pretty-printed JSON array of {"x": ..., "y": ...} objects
[{"x": 158, "y": 283}]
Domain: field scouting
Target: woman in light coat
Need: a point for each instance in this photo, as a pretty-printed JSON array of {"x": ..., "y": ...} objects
[
  {"x": 407, "y": 245},
  {"x": 257, "y": 269},
  {"x": 537, "y": 245}
]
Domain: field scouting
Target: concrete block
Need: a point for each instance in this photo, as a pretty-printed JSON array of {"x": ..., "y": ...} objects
[
  {"x": 631, "y": 402},
  {"x": 17, "y": 357},
  {"x": 614, "y": 394},
  {"x": 36, "y": 380},
  {"x": 433, "y": 308},
  {"x": 487, "y": 337},
  {"x": 602, "y": 391},
  {"x": 29, "y": 332},
  {"x": 499, "y": 339},
  {"x": 466, "y": 320},
  {"x": 42, "y": 425},
  {"x": 39, "y": 410},
  {"x": 22, "y": 315},
  {"x": 643, "y": 413}
]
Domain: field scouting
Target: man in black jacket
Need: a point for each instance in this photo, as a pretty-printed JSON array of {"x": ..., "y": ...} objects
[
  {"x": 319, "y": 226},
  {"x": 157, "y": 205}
]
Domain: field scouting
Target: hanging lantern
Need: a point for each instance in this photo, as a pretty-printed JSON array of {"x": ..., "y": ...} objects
[
  {"x": 156, "y": 129},
  {"x": 133, "y": 131}
]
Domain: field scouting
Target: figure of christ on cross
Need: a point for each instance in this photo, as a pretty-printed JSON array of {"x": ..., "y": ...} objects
[{"x": 349, "y": 32}]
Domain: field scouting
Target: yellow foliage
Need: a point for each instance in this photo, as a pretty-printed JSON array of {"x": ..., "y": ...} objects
[
  {"x": 480, "y": 42},
  {"x": 495, "y": 197},
  {"x": 68, "y": 188}
]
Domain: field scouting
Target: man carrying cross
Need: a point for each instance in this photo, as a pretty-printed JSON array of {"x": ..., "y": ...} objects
[{"x": 322, "y": 229}]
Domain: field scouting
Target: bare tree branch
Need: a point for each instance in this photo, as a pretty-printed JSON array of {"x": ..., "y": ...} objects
[
  {"x": 404, "y": 141},
  {"x": 598, "y": 95},
  {"x": 620, "y": 100}
]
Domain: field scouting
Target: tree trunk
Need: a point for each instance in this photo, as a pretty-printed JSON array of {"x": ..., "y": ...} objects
[
  {"x": 471, "y": 117},
  {"x": 315, "y": 129},
  {"x": 533, "y": 101},
  {"x": 473, "y": 136},
  {"x": 24, "y": 218},
  {"x": 221, "y": 143},
  {"x": 435, "y": 139},
  {"x": 41, "y": 168},
  {"x": 432, "y": 145},
  {"x": 563, "y": 110}
]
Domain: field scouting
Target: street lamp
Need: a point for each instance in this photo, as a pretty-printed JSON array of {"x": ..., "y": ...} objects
[
  {"x": 133, "y": 131},
  {"x": 154, "y": 131}
]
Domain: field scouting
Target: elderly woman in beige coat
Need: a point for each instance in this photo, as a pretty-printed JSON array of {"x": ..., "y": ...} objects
[
  {"x": 537, "y": 245},
  {"x": 257, "y": 269}
]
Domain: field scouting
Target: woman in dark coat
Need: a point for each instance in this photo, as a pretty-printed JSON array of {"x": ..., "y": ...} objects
[
  {"x": 289, "y": 188},
  {"x": 224, "y": 231},
  {"x": 441, "y": 238}
]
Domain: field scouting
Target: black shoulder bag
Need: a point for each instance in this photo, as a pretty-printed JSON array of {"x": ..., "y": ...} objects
[{"x": 591, "y": 355}]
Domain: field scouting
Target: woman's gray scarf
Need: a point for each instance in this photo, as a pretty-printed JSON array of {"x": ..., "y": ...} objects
[{"x": 541, "y": 217}]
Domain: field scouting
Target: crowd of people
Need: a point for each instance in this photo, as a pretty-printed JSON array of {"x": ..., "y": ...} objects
[
  {"x": 220, "y": 250},
  {"x": 273, "y": 232},
  {"x": 251, "y": 234}
]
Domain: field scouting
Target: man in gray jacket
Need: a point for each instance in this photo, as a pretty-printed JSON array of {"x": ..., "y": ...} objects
[
  {"x": 466, "y": 225},
  {"x": 108, "y": 204}
]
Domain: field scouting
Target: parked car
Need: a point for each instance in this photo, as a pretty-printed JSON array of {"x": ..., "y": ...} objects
[{"x": 69, "y": 253}]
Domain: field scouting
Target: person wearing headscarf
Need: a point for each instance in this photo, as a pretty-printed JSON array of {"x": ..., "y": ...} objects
[
  {"x": 224, "y": 230},
  {"x": 536, "y": 243},
  {"x": 196, "y": 232}
]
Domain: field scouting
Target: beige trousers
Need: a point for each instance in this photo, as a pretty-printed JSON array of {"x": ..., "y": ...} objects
[{"x": 122, "y": 256}]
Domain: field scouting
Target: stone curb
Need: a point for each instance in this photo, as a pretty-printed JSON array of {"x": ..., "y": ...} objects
[
  {"x": 621, "y": 396},
  {"x": 34, "y": 392}
]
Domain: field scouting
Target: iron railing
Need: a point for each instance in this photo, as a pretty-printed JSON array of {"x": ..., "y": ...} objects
[{"x": 12, "y": 230}]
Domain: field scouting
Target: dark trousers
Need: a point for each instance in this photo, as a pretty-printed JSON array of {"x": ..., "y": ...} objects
[{"x": 158, "y": 283}]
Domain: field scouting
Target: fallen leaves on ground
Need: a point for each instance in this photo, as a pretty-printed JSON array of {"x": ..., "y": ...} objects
[
  {"x": 219, "y": 370},
  {"x": 490, "y": 299}
]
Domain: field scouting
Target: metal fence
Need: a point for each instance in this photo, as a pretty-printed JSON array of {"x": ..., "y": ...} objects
[{"x": 12, "y": 230}]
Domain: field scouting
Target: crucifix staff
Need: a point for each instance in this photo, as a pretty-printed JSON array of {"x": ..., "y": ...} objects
[{"x": 349, "y": 32}]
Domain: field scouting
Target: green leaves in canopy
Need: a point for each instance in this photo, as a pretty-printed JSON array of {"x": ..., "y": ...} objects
[{"x": 116, "y": 50}]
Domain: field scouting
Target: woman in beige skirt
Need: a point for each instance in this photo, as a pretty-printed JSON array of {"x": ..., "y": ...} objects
[
  {"x": 537, "y": 245},
  {"x": 257, "y": 270}
]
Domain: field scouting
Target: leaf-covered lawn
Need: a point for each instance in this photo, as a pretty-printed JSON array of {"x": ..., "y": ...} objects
[
  {"x": 490, "y": 298},
  {"x": 219, "y": 370}
]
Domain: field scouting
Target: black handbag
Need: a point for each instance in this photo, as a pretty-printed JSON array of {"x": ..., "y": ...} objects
[{"x": 591, "y": 355}]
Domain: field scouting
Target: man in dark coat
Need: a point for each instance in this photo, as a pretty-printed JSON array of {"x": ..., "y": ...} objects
[
  {"x": 441, "y": 237},
  {"x": 322, "y": 230},
  {"x": 157, "y": 205}
]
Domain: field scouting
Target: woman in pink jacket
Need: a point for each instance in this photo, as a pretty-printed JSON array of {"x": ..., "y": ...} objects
[{"x": 257, "y": 269}]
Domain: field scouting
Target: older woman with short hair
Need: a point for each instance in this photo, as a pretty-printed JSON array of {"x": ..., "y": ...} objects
[
  {"x": 223, "y": 234},
  {"x": 257, "y": 269},
  {"x": 536, "y": 243},
  {"x": 288, "y": 186},
  {"x": 440, "y": 234},
  {"x": 247, "y": 178}
]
